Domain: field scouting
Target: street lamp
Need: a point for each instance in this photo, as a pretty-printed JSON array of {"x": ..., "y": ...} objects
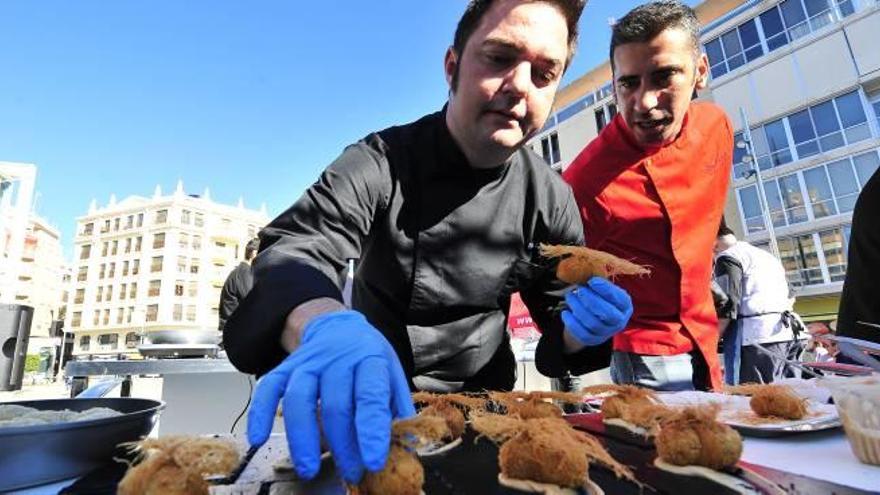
[{"x": 755, "y": 170}]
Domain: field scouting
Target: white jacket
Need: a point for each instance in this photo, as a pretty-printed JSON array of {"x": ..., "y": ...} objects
[{"x": 765, "y": 294}]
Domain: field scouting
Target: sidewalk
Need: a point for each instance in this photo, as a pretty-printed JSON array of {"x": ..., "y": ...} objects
[{"x": 50, "y": 390}]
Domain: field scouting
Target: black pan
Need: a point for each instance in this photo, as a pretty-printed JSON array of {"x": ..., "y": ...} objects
[{"x": 39, "y": 454}]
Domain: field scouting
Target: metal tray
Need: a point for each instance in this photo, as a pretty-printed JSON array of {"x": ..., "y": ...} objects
[{"x": 40, "y": 454}]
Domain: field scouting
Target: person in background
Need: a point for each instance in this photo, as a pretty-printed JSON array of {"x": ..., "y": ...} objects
[
  {"x": 238, "y": 283},
  {"x": 651, "y": 188},
  {"x": 444, "y": 216},
  {"x": 760, "y": 331},
  {"x": 859, "y": 312}
]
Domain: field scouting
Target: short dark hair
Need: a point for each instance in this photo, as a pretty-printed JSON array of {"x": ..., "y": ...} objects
[
  {"x": 724, "y": 230},
  {"x": 250, "y": 250},
  {"x": 476, "y": 10},
  {"x": 645, "y": 22}
]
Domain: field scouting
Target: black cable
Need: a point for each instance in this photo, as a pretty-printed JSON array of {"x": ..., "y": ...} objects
[{"x": 246, "y": 406}]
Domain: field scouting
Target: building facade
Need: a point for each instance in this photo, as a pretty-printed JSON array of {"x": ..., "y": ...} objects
[
  {"x": 155, "y": 263},
  {"x": 806, "y": 74},
  {"x": 41, "y": 282},
  {"x": 16, "y": 193}
]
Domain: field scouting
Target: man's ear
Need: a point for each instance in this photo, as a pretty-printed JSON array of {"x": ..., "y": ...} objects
[
  {"x": 450, "y": 66},
  {"x": 702, "y": 71}
]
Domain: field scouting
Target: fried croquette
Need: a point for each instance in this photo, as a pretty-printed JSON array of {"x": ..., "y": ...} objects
[
  {"x": 544, "y": 445},
  {"x": 579, "y": 264},
  {"x": 778, "y": 401},
  {"x": 452, "y": 415},
  {"x": 694, "y": 437},
  {"x": 624, "y": 397},
  {"x": 402, "y": 475},
  {"x": 177, "y": 465},
  {"x": 541, "y": 454}
]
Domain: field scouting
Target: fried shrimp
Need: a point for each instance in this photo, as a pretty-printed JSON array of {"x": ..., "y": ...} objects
[
  {"x": 579, "y": 264},
  {"x": 177, "y": 465},
  {"x": 693, "y": 436},
  {"x": 778, "y": 401}
]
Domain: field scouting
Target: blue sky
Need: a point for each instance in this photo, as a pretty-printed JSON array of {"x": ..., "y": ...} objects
[{"x": 251, "y": 99}]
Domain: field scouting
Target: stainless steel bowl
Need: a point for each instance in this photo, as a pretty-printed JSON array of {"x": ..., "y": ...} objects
[{"x": 40, "y": 454}]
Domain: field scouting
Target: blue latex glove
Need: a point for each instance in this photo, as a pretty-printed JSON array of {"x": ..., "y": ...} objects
[
  {"x": 596, "y": 311},
  {"x": 350, "y": 366}
]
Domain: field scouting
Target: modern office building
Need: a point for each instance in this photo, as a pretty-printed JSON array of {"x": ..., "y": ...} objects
[
  {"x": 156, "y": 263},
  {"x": 806, "y": 74}
]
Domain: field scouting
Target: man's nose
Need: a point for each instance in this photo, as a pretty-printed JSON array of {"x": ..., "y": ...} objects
[
  {"x": 518, "y": 79},
  {"x": 646, "y": 100}
]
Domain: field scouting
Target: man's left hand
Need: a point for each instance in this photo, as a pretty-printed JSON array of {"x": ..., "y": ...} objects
[{"x": 596, "y": 311}]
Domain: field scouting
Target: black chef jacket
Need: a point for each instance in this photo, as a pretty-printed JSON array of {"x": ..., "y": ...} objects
[
  {"x": 440, "y": 246},
  {"x": 236, "y": 287},
  {"x": 859, "y": 300}
]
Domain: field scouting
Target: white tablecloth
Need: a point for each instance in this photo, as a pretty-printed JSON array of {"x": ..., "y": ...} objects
[{"x": 819, "y": 455}]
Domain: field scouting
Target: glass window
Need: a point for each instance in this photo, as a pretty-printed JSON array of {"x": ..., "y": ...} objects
[
  {"x": 852, "y": 117},
  {"x": 751, "y": 42},
  {"x": 112, "y": 270},
  {"x": 843, "y": 181},
  {"x": 774, "y": 30},
  {"x": 132, "y": 293},
  {"x": 159, "y": 240},
  {"x": 85, "y": 251},
  {"x": 88, "y": 228},
  {"x": 866, "y": 164},
  {"x": 152, "y": 312},
  {"x": 819, "y": 192},
  {"x": 197, "y": 242},
  {"x": 777, "y": 142},
  {"x": 123, "y": 291},
  {"x": 128, "y": 245},
  {"x": 803, "y": 133},
  {"x": 793, "y": 199},
  {"x": 135, "y": 267},
  {"x": 177, "y": 313},
  {"x": 192, "y": 288},
  {"x": 120, "y": 313},
  {"x": 794, "y": 16},
  {"x": 82, "y": 274},
  {"x": 199, "y": 220},
  {"x": 190, "y": 313},
  {"x": 156, "y": 265},
  {"x": 140, "y": 220},
  {"x": 820, "y": 13},
  {"x": 129, "y": 222},
  {"x": 100, "y": 293},
  {"x": 185, "y": 217},
  {"x": 183, "y": 240},
  {"x": 846, "y": 7},
  {"x": 76, "y": 321},
  {"x": 835, "y": 253},
  {"x": 84, "y": 342},
  {"x": 178, "y": 288},
  {"x": 161, "y": 216},
  {"x": 827, "y": 125},
  {"x": 600, "y": 119},
  {"x": 155, "y": 287},
  {"x": 131, "y": 338},
  {"x": 732, "y": 49},
  {"x": 137, "y": 244},
  {"x": 104, "y": 248},
  {"x": 751, "y": 209},
  {"x": 716, "y": 58}
]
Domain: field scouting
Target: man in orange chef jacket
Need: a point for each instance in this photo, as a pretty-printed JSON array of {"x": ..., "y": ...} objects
[{"x": 651, "y": 188}]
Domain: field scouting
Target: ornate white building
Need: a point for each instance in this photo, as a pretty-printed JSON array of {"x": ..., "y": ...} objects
[{"x": 145, "y": 264}]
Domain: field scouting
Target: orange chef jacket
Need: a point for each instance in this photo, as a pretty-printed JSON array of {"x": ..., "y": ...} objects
[{"x": 660, "y": 208}]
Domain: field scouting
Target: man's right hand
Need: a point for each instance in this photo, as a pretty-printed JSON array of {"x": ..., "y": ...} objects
[{"x": 350, "y": 366}]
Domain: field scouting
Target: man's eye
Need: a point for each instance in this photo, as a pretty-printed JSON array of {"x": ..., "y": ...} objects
[
  {"x": 547, "y": 76},
  {"x": 626, "y": 84},
  {"x": 498, "y": 59}
]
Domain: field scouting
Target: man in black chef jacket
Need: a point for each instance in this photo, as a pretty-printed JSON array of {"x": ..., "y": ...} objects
[
  {"x": 444, "y": 216},
  {"x": 859, "y": 301}
]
